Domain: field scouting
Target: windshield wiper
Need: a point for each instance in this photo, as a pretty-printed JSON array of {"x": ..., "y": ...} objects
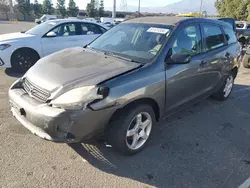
[
  {"x": 120, "y": 57},
  {"x": 93, "y": 49}
]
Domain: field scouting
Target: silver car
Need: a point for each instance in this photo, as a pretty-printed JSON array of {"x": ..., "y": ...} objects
[{"x": 127, "y": 80}]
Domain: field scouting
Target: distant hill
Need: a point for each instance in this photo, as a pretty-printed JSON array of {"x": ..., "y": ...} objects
[{"x": 183, "y": 6}]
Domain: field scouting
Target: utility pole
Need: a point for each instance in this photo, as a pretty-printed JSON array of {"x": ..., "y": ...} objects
[
  {"x": 139, "y": 8},
  {"x": 114, "y": 10},
  {"x": 11, "y": 6},
  {"x": 201, "y": 7}
]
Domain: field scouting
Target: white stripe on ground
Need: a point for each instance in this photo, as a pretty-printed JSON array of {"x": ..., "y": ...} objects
[{"x": 246, "y": 184}]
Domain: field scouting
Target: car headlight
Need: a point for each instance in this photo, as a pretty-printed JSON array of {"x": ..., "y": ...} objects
[
  {"x": 79, "y": 98},
  {"x": 4, "y": 46}
]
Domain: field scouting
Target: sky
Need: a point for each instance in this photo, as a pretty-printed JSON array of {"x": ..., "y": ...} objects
[{"x": 109, "y": 3}]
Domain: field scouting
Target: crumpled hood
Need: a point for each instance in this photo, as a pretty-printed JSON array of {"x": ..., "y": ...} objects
[
  {"x": 76, "y": 67},
  {"x": 14, "y": 36}
]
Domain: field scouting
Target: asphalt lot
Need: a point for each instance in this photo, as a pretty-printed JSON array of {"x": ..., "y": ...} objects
[{"x": 206, "y": 145}]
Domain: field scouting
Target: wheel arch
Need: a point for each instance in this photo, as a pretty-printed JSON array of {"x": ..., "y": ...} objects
[
  {"x": 235, "y": 72},
  {"x": 149, "y": 101},
  {"x": 25, "y": 48}
]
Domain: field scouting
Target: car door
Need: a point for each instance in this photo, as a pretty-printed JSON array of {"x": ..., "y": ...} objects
[
  {"x": 67, "y": 35},
  {"x": 185, "y": 83},
  {"x": 90, "y": 31},
  {"x": 216, "y": 55}
]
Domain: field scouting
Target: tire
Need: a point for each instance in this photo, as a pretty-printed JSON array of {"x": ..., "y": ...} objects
[
  {"x": 23, "y": 59},
  {"x": 127, "y": 123},
  {"x": 226, "y": 88},
  {"x": 246, "y": 61}
]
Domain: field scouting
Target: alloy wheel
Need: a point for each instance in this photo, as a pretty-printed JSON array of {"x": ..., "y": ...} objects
[
  {"x": 139, "y": 131},
  {"x": 228, "y": 87}
]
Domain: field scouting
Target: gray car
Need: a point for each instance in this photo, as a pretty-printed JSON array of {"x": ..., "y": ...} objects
[{"x": 127, "y": 80}]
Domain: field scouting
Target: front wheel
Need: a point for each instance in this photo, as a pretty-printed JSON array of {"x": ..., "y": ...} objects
[
  {"x": 23, "y": 59},
  {"x": 226, "y": 89},
  {"x": 131, "y": 130}
]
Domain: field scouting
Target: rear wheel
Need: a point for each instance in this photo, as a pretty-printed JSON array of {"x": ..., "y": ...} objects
[
  {"x": 23, "y": 59},
  {"x": 226, "y": 89},
  {"x": 246, "y": 61},
  {"x": 130, "y": 131}
]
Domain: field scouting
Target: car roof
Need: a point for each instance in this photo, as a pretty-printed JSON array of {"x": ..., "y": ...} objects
[
  {"x": 172, "y": 20},
  {"x": 71, "y": 20},
  {"x": 60, "y": 21}
]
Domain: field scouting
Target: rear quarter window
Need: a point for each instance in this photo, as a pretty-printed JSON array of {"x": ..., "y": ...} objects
[
  {"x": 214, "y": 37},
  {"x": 230, "y": 36}
]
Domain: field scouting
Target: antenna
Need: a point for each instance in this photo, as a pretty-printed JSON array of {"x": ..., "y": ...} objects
[{"x": 124, "y": 5}]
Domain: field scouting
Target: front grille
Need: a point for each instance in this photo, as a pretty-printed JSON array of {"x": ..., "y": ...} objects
[{"x": 35, "y": 92}]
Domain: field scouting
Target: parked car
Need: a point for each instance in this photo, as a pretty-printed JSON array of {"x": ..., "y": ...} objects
[
  {"x": 242, "y": 25},
  {"x": 243, "y": 36},
  {"x": 45, "y": 18},
  {"x": 127, "y": 80},
  {"x": 22, "y": 50}
]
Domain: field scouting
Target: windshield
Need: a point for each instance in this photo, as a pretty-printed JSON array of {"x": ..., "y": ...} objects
[
  {"x": 42, "y": 28},
  {"x": 138, "y": 42}
]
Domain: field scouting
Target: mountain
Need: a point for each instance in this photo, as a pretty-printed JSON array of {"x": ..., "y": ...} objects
[
  {"x": 186, "y": 6},
  {"x": 183, "y": 6}
]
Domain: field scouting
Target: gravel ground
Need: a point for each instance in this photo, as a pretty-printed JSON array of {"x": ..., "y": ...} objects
[{"x": 206, "y": 145}]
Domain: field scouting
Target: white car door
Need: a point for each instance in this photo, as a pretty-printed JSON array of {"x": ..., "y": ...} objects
[{"x": 67, "y": 35}]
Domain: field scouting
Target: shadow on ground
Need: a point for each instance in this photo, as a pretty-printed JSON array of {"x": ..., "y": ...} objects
[
  {"x": 10, "y": 72},
  {"x": 203, "y": 146}
]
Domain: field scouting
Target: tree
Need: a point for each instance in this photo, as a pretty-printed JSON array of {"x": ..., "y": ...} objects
[
  {"x": 236, "y": 9},
  {"x": 91, "y": 9},
  {"x": 248, "y": 8},
  {"x": 47, "y": 7},
  {"x": 101, "y": 9},
  {"x": 61, "y": 7},
  {"x": 4, "y": 6},
  {"x": 24, "y": 7},
  {"x": 72, "y": 9},
  {"x": 37, "y": 8}
]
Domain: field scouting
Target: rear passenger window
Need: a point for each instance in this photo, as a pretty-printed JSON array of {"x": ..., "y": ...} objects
[
  {"x": 213, "y": 36},
  {"x": 230, "y": 36},
  {"x": 91, "y": 29}
]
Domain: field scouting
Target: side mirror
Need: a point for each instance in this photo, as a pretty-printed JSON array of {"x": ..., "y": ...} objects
[
  {"x": 179, "y": 58},
  {"x": 51, "y": 34}
]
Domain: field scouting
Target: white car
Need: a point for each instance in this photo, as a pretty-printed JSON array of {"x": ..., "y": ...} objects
[{"x": 22, "y": 50}]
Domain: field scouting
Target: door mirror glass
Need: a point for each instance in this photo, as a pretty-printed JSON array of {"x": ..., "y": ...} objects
[
  {"x": 179, "y": 58},
  {"x": 51, "y": 34}
]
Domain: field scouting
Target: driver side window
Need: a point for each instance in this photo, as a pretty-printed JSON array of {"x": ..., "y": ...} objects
[
  {"x": 188, "y": 41},
  {"x": 63, "y": 30}
]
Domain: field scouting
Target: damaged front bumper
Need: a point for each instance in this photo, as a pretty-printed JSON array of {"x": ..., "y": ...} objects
[{"x": 55, "y": 124}]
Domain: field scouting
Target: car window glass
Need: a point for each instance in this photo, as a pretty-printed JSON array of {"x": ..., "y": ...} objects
[
  {"x": 137, "y": 41},
  {"x": 188, "y": 41},
  {"x": 90, "y": 29},
  {"x": 103, "y": 30},
  {"x": 68, "y": 29},
  {"x": 213, "y": 36},
  {"x": 230, "y": 36}
]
